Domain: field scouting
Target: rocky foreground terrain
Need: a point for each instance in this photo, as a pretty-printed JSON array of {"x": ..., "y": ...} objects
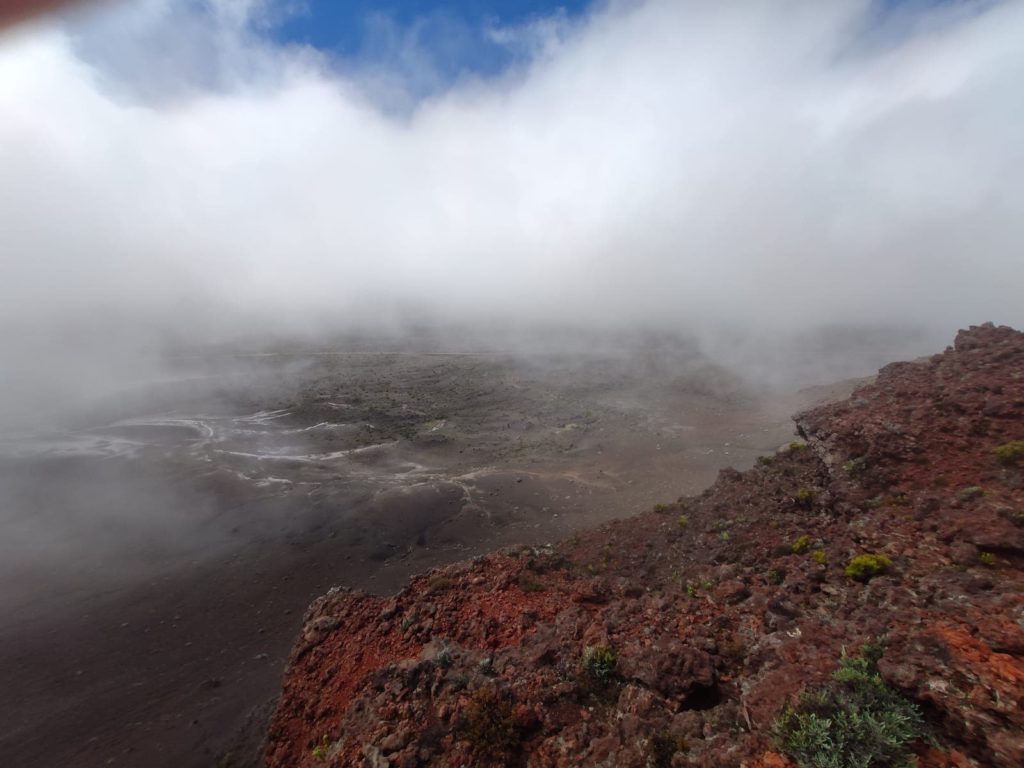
[{"x": 692, "y": 634}]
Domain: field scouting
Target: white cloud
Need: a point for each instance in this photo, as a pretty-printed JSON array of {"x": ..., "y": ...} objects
[{"x": 687, "y": 164}]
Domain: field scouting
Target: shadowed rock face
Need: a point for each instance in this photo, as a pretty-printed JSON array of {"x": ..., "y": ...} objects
[{"x": 715, "y": 619}]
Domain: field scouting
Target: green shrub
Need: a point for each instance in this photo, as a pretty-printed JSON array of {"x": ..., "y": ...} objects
[
  {"x": 684, "y": 520},
  {"x": 987, "y": 558},
  {"x": 819, "y": 557},
  {"x": 855, "y": 721},
  {"x": 661, "y": 508},
  {"x": 800, "y": 545},
  {"x": 598, "y": 663},
  {"x": 805, "y": 497},
  {"x": 855, "y": 466},
  {"x": 438, "y": 584},
  {"x": 488, "y": 723},
  {"x": 797, "y": 446},
  {"x": 776, "y": 576},
  {"x": 320, "y": 750},
  {"x": 864, "y": 567},
  {"x": 1009, "y": 453},
  {"x": 971, "y": 493}
]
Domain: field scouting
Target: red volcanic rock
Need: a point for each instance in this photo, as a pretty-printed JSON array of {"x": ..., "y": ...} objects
[{"x": 704, "y": 632}]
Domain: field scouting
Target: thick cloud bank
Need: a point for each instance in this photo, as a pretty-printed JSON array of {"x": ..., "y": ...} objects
[{"x": 771, "y": 164}]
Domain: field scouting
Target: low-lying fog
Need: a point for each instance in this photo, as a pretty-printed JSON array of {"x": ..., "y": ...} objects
[{"x": 227, "y": 446}]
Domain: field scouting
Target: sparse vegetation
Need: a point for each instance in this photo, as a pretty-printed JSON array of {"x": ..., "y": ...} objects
[
  {"x": 988, "y": 559},
  {"x": 1009, "y": 453},
  {"x": 776, "y": 576},
  {"x": 438, "y": 584},
  {"x": 691, "y": 589},
  {"x": 855, "y": 721},
  {"x": 320, "y": 750},
  {"x": 487, "y": 722},
  {"x": 865, "y": 567},
  {"x": 661, "y": 508},
  {"x": 855, "y": 466},
  {"x": 801, "y": 545},
  {"x": 972, "y": 492},
  {"x": 796, "y": 446},
  {"x": 684, "y": 520},
  {"x": 804, "y": 497},
  {"x": 598, "y": 664},
  {"x": 819, "y": 557}
]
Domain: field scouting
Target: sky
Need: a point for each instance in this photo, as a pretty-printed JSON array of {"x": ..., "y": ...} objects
[
  {"x": 458, "y": 34},
  {"x": 193, "y": 170}
]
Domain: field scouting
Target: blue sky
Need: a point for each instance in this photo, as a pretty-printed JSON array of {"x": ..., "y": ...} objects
[{"x": 454, "y": 33}]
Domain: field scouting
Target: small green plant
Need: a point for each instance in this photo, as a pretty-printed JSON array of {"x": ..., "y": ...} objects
[
  {"x": 776, "y": 576},
  {"x": 488, "y": 723},
  {"x": 320, "y": 750},
  {"x": 661, "y": 508},
  {"x": 598, "y": 663},
  {"x": 819, "y": 557},
  {"x": 1009, "y": 453},
  {"x": 691, "y": 589},
  {"x": 724, "y": 536},
  {"x": 865, "y": 567},
  {"x": 764, "y": 461},
  {"x": 438, "y": 584},
  {"x": 805, "y": 497},
  {"x": 408, "y": 621},
  {"x": 684, "y": 520},
  {"x": 987, "y": 558},
  {"x": 796, "y": 446},
  {"x": 855, "y": 466},
  {"x": 855, "y": 721},
  {"x": 971, "y": 493},
  {"x": 801, "y": 545}
]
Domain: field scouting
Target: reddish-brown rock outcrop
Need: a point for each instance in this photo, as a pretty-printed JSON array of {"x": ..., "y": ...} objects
[{"x": 716, "y": 611}]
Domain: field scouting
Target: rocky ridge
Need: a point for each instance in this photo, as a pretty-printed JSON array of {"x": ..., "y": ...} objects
[{"x": 678, "y": 636}]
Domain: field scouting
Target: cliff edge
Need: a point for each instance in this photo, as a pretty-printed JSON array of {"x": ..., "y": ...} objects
[{"x": 888, "y": 544}]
